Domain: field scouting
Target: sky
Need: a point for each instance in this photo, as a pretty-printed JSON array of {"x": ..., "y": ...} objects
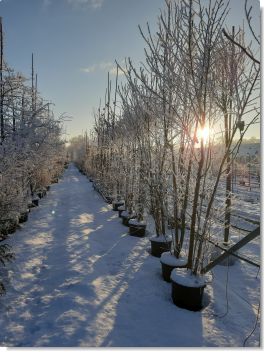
[{"x": 76, "y": 42}]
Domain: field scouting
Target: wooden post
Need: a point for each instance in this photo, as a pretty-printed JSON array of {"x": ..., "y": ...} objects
[
  {"x": 228, "y": 120},
  {"x": 35, "y": 92},
  {"x": 32, "y": 84}
]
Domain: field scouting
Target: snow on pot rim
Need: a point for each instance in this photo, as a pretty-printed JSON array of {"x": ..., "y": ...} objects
[
  {"x": 135, "y": 222},
  {"x": 125, "y": 214},
  {"x": 160, "y": 238},
  {"x": 121, "y": 208},
  {"x": 169, "y": 259},
  {"x": 118, "y": 202},
  {"x": 185, "y": 277}
]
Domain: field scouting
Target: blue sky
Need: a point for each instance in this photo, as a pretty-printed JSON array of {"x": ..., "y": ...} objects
[{"x": 75, "y": 43}]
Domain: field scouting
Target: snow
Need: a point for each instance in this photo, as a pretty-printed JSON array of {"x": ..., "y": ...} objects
[
  {"x": 160, "y": 238},
  {"x": 80, "y": 280},
  {"x": 185, "y": 277},
  {"x": 121, "y": 208},
  {"x": 169, "y": 259},
  {"x": 137, "y": 223},
  {"x": 125, "y": 213},
  {"x": 249, "y": 148},
  {"x": 118, "y": 202}
]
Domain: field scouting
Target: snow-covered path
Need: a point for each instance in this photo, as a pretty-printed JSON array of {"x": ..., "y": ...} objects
[{"x": 80, "y": 280}]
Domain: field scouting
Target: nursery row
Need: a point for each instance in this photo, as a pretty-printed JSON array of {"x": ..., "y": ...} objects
[
  {"x": 167, "y": 139},
  {"x": 32, "y": 154},
  {"x": 187, "y": 291}
]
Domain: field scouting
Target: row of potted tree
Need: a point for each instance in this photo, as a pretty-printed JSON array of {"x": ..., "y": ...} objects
[
  {"x": 32, "y": 153},
  {"x": 166, "y": 144}
]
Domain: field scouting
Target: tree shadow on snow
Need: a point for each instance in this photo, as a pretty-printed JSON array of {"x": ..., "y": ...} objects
[
  {"x": 80, "y": 280},
  {"x": 235, "y": 299}
]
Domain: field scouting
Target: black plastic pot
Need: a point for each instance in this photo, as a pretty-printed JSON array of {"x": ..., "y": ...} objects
[
  {"x": 8, "y": 226},
  {"x": 48, "y": 188},
  {"x": 35, "y": 202},
  {"x": 117, "y": 204},
  {"x": 157, "y": 248},
  {"x": 167, "y": 268},
  {"x": 109, "y": 200},
  {"x": 126, "y": 218},
  {"x": 190, "y": 298},
  {"x": 166, "y": 271},
  {"x": 23, "y": 217},
  {"x": 137, "y": 230},
  {"x": 120, "y": 211},
  {"x": 40, "y": 194},
  {"x": 31, "y": 205},
  {"x": 12, "y": 229}
]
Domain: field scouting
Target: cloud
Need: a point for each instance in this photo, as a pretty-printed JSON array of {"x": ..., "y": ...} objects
[
  {"x": 89, "y": 69},
  {"x": 46, "y": 3},
  {"x": 77, "y": 4},
  {"x": 102, "y": 66},
  {"x": 95, "y": 4},
  {"x": 113, "y": 71}
]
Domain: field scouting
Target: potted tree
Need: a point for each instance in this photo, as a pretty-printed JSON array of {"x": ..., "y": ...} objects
[
  {"x": 129, "y": 213},
  {"x": 137, "y": 225},
  {"x": 161, "y": 242},
  {"x": 188, "y": 283},
  {"x": 116, "y": 204}
]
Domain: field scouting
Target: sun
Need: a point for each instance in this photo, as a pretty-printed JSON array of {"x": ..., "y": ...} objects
[{"x": 204, "y": 134}]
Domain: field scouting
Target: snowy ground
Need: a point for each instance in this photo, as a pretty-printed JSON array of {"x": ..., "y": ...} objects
[{"x": 80, "y": 280}]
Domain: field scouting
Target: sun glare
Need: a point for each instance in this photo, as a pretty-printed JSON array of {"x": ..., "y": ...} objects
[{"x": 203, "y": 133}]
